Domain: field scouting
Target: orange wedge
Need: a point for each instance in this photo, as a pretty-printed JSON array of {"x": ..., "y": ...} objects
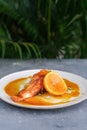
[{"x": 54, "y": 84}]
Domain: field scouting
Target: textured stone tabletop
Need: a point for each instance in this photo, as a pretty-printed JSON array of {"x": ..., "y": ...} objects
[{"x": 70, "y": 118}]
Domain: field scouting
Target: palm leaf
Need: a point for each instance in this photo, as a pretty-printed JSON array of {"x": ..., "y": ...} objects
[
  {"x": 35, "y": 50},
  {"x": 17, "y": 48},
  {"x": 26, "y": 47},
  {"x": 3, "y": 47},
  {"x": 76, "y": 17},
  {"x": 7, "y": 9}
]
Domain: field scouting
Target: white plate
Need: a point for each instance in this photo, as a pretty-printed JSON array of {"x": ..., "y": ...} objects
[{"x": 82, "y": 82}]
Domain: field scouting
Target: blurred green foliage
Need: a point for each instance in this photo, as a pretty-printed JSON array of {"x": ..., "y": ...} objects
[{"x": 43, "y": 29}]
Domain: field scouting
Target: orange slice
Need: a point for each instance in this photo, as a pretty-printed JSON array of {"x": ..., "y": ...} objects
[{"x": 54, "y": 84}]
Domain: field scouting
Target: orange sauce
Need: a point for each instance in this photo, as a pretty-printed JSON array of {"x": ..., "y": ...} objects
[{"x": 43, "y": 99}]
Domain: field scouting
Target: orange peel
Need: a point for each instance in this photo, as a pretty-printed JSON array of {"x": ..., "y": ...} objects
[{"x": 54, "y": 84}]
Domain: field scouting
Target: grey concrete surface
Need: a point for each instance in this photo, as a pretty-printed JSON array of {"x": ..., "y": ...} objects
[{"x": 70, "y": 118}]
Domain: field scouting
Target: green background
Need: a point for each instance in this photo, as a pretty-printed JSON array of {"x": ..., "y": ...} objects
[{"x": 43, "y": 29}]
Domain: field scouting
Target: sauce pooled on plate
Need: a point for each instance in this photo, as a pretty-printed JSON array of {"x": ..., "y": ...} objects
[{"x": 44, "y": 98}]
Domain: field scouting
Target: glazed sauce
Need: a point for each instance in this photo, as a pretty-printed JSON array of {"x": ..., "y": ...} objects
[{"x": 15, "y": 86}]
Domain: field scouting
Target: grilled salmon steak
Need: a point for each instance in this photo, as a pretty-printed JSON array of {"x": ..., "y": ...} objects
[{"x": 34, "y": 87}]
